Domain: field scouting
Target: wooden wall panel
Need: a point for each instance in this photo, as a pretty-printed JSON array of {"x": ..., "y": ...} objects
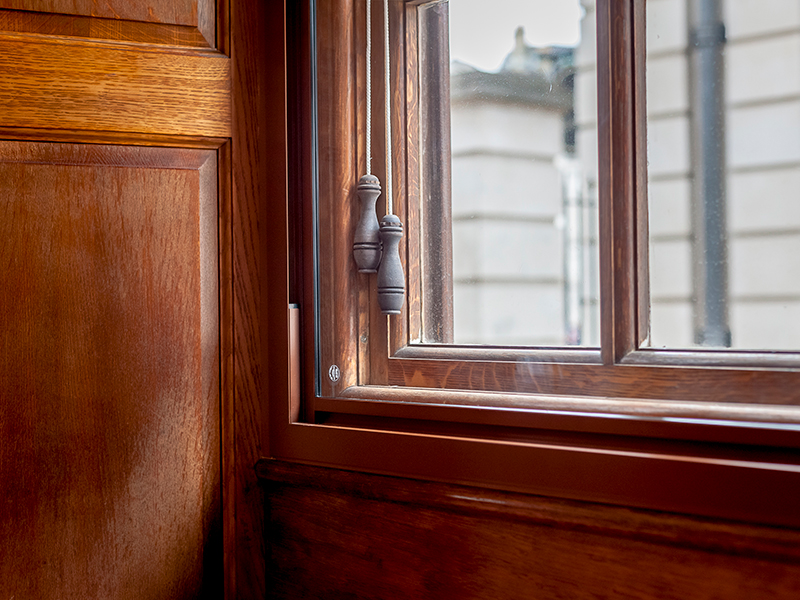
[
  {"x": 174, "y": 22},
  {"x": 104, "y": 29},
  {"x": 109, "y": 372},
  {"x": 178, "y": 12},
  {"x": 337, "y": 534},
  {"x": 257, "y": 249},
  {"x": 64, "y": 84}
]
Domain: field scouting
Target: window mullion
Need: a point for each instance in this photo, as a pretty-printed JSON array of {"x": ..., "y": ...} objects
[{"x": 616, "y": 158}]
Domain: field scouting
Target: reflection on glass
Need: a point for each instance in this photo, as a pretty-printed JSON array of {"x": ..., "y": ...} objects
[
  {"x": 723, "y": 96},
  {"x": 523, "y": 171}
]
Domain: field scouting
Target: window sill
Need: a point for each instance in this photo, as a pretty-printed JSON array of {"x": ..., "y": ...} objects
[
  {"x": 738, "y": 462},
  {"x": 755, "y": 486}
]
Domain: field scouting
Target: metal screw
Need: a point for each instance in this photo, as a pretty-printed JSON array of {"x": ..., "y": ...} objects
[{"x": 334, "y": 373}]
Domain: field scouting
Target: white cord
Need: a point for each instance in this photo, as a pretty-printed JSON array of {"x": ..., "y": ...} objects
[
  {"x": 388, "y": 110},
  {"x": 369, "y": 87}
]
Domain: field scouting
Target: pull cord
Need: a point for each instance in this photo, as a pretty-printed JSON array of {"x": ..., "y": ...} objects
[
  {"x": 366, "y": 242},
  {"x": 376, "y": 248},
  {"x": 391, "y": 280},
  {"x": 387, "y": 106}
]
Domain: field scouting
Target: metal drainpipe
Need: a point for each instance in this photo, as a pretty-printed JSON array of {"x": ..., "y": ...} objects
[{"x": 710, "y": 260}]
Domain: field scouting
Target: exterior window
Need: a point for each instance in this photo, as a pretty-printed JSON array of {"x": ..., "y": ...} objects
[
  {"x": 632, "y": 352},
  {"x": 523, "y": 208},
  {"x": 722, "y": 120},
  {"x": 524, "y": 190}
]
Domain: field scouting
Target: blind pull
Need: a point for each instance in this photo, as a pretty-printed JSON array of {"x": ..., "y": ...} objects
[
  {"x": 366, "y": 242},
  {"x": 376, "y": 248},
  {"x": 391, "y": 280}
]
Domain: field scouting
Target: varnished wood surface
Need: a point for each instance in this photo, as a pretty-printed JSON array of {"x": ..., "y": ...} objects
[
  {"x": 180, "y": 12},
  {"x": 64, "y": 84},
  {"x": 414, "y": 209},
  {"x": 741, "y": 486},
  {"x": 301, "y": 188},
  {"x": 334, "y": 533},
  {"x": 366, "y": 282},
  {"x": 377, "y": 437},
  {"x": 228, "y": 390},
  {"x": 642, "y": 233},
  {"x": 559, "y": 407},
  {"x": 338, "y": 204},
  {"x": 398, "y": 324},
  {"x": 616, "y": 178},
  {"x": 109, "y": 137},
  {"x": 102, "y": 28},
  {"x": 680, "y": 383},
  {"x": 436, "y": 244},
  {"x": 128, "y": 74},
  {"x": 109, "y": 372},
  {"x": 258, "y": 185}
]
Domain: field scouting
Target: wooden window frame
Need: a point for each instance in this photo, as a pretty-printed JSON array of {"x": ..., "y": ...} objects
[{"x": 707, "y": 433}]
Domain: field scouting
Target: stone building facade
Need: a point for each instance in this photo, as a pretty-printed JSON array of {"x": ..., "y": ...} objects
[{"x": 524, "y": 197}]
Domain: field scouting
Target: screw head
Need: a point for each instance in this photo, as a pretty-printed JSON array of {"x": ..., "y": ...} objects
[{"x": 334, "y": 373}]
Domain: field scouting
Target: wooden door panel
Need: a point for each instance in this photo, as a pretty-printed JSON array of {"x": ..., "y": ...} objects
[
  {"x": 163, "y": 19},
  {"x": 98, "y": 87},
  {"x": 109, "y": 372}
]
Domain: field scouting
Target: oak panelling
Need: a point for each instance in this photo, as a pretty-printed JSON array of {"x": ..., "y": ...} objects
[
  {"x": 177, "y": 12},
  {"x": 341, "y": 534},
  {"x": 258, "y": 255},
  {"x": 62, "y": 84},
  {"x": 105, "y": 29},
  {"x": 108, "y": 137},
  {"x": 109, "y": 372}
]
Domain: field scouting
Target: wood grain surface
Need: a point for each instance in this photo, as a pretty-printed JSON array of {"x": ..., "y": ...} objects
[
  {"x": 616, "y": 180},
  {"x": 640, "y": 157},
  {"x": 166, "y": 173},
  {"x": 179, "y": 12},
  {"x": 109, "y": 372},
  {"x": 338, "y": 204},
  {"x": 64, "y": 84},
  {"x": 109, "y": 137},
  {"x": 751, "y": 385},
  {"x": 349, "y": 535},
  {"x": 103, "y": 29},
  {"x": 257, "y": 180},
  {"x": 436, "y": 237}
]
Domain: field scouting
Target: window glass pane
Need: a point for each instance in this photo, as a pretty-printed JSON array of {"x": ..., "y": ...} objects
[
  {"x": 723, "y": 96},
  {"x": 523, "y": 161}
]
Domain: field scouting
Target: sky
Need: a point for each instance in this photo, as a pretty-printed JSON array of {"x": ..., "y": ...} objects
[{"x": 482, "y": 31}]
